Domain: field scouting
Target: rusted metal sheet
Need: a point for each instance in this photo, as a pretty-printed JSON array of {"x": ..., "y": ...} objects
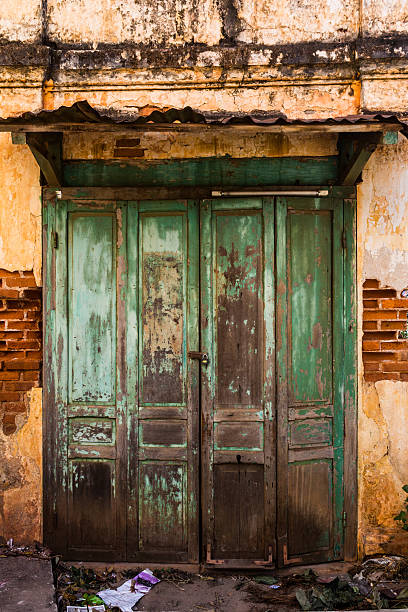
[{"x": 83, "y": 114}]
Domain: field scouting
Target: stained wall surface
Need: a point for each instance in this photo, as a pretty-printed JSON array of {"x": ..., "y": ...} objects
[{"x": 320, "y": 58}]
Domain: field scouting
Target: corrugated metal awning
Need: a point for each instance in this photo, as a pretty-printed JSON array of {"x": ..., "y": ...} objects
[{"x": 82, "y": 116}]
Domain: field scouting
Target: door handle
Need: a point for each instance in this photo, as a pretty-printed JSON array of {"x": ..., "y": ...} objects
[{"x": 203, "y": 357}]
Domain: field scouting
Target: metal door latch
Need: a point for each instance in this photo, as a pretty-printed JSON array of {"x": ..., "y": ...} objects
[{"x": 203, "y": 357}]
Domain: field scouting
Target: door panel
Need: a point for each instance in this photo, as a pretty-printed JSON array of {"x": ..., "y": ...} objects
[
  {"x": 237, "y": 396},
  {"x": 310, "y": 402},
  {"x": 127, "y": 401},
  {"x": 163, "y": 422},
  {"x": 92, "y": 307},
  {"x": 162, "y": 275},
  {"x": 89, "y": 327}
]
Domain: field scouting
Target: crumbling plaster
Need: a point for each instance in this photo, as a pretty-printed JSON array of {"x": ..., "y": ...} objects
[
  {"x": 383, "y": 406},
  {"x": 21, "y": 475}
]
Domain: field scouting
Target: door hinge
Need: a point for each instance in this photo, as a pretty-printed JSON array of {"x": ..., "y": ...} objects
[
  {"x": 344, "y": 520},
  {"x": 55, "y": 240},
  {"x": 344, "y": 239}
]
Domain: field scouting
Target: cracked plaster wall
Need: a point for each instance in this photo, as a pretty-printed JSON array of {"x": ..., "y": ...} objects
[
  {"x": 383, "y": 405},
  {"x": 21, "y": 475},
  {"x": 208, "y": 22},
  {"x": 20, "y": 249}
]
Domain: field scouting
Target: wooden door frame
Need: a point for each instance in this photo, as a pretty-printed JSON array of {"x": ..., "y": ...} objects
[{"x": 50, "y": 197}]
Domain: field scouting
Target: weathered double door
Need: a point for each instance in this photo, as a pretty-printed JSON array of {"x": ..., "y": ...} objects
[{"x": 194, "y": 380}]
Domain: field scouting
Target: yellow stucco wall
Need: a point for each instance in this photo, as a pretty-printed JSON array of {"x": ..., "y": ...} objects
[{"x": 383, "y": 406}]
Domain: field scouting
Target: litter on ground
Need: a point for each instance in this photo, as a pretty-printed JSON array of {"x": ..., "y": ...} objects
[{"x": 127, "y": 595}]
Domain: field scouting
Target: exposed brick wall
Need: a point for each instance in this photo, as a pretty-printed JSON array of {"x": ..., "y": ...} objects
[
  {"x": 20, "y": 343},
  {"x": 385, "y": 354}
]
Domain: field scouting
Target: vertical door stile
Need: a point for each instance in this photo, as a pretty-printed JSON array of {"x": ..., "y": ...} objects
[
  {"x": 132, "y": 365},
  {"x": 193, "y": 381},
  {"x": 120, "y": 491},
  {"x": 50, "y": 422},
  {"x": 207, "y": 378},
  {"x": 281, "y": 379},
  {"x": 269, "y": 379},
  {"x": 61, "y": 374},
  {"x": 350, "y": 381},
  {"x": 338, "y": 377}
]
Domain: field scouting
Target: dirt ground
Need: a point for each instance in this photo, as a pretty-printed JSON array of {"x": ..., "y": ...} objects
[
  {"x": 215, "y": 594},
  {"x": 26, "y": 584},
  {"x": 28, "y": 578}
]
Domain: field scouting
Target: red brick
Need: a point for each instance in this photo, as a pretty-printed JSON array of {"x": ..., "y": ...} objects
[
  {"x": 373, "y": 377},
  {"x": 32, "y": 294},
  {"x": 9, "y": 396},
  {"x": 34, "y": 354},
  {"x": 379, "y": 357},
  {"x": 18, "y": 386},
  {"x": 370, "y": 303},
  {"x": 22, "y": 364},
  {"x": 402, "y": 314},
  {"x": 400, "y": 366},
  {"x": 9, "y": 355},
  {"x": 394, "y": 346},
  {"x": 373, "y": 366},
  {"x": 8, "y": 293},
  {"x": 33, "y": 334},
  {"x": 370, "y": 294},
  {"x": 388, "y": 325},
  {"x": 12, "y": 315},
  {"x": 404, "y": 376},
  {"x": 31, "y": 315},
  {"x": 371, "y": 345},
  {"x": 9, "y": 427},
  {"x": 370, "y": 325},
  {"x": 27, "y": 281},
  {"x": 379, "y": 335},
  {"x": 15, "y": 407},
  {"x": 11, "y": 335},
  {"x": 396, "y": 303},
  {"x": 371, "y": 283},
  {"x": 9, "y": 375},
  {"x": 374, "y": 315},
  {"x": 15, "y": 325},
  {"x": 7, "y": 274},
  {"x": 23, "y": 344},
  {"x": 32, "y": 375}
]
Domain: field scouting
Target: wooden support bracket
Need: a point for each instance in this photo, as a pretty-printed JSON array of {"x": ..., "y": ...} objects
[
  {"x": 356, "y": 149},
  {"x": 47, "y": 151}
]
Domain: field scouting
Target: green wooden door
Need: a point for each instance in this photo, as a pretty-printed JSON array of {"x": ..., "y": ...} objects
[
  {"x": 126, "y": 430},
  {"x": 238, "y": 404},
  {"x": 310, "y": 379},
  {"x": 122, "y": 396}
]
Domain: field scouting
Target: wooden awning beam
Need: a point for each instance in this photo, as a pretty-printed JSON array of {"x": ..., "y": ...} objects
[
  {"x": 355, "y": 151},
  {"x": 331, "y": 128}
]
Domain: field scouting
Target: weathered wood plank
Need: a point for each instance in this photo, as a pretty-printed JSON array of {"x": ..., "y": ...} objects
[
  {"x": 350, "y": 382},
  {"x": 204, "y": 171}
]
